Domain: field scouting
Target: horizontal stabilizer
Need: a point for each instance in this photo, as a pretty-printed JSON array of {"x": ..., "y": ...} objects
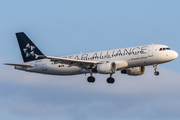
[{"x": 22, "y": 65}]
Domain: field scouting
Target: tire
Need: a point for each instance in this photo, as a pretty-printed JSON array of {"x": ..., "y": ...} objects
[
  {"x": 110, "y": 80},
  {"x": 91, "y": 79},
  {"x": 156, "y": 73}
]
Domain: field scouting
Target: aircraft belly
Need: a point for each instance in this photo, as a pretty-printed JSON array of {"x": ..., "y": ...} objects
[
  {"x": 63, "y": 70},
  {"x": 69, "y": 70}
]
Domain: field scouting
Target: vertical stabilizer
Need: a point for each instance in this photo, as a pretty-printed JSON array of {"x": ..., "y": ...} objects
[{"x": 29, "y": 51}]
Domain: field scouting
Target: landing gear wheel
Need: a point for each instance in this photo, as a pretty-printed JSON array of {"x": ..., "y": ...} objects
[
  {"x": 91, "y": 79},
  {"x": 156, "y": 73},
  {"x": 110, "y": 80}
]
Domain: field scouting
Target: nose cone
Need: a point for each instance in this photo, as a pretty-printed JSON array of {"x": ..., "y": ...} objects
[{"x": 174, "y": 55}]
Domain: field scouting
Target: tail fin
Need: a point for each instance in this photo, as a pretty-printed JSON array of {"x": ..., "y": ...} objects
[{"x": 29, "y": 51}]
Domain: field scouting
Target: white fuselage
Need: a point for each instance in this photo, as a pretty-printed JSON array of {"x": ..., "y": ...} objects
[{"x": 134, "y": 56}]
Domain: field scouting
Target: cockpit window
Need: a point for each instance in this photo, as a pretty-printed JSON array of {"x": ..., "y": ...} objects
[
  {"x": 162, "y": 49},
  {"x": 168, "y": 49}
]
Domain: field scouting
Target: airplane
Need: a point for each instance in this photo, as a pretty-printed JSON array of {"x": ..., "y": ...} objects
[{"x": 130, "y": 61}]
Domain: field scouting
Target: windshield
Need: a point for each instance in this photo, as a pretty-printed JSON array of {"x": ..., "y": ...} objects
[{"x": 162, "y": 49}]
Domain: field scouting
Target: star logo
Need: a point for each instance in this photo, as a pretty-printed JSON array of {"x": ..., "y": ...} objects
[{"x": 29, "y": 51}]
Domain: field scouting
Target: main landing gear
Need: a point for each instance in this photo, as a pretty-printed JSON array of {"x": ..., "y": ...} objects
[
  {"x": 91, "y": 79},
  {"x": 155, "y": 68},
  {"x": 110, "y": 80}
]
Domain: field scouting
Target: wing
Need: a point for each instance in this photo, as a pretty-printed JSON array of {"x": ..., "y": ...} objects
[{"x": 85, "y": 64}]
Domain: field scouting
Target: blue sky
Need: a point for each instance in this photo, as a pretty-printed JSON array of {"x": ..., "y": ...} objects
[{"x": 64, "y": 27}]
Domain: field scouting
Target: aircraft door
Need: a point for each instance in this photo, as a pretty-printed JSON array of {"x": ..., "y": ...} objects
[
  {"x": 150, "y": 51},
  {"x": 44, "y": 67}
]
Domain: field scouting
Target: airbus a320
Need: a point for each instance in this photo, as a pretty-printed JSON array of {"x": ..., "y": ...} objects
[{"x": 130, "y": 61}]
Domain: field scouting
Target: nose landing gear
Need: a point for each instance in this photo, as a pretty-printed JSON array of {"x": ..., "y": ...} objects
[{"x": 155, "y": 68}]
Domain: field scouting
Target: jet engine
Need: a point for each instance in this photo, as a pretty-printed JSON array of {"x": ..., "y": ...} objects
[
  {"x": 134, "y": 71},
  {"x": 105, "y": 68}
]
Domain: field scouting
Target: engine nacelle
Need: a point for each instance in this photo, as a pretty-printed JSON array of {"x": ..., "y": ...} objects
[
  {"x": 134, "y": 71},
  {"x": 105, "y": 68},
  {"x": 120, "y": 64}
]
